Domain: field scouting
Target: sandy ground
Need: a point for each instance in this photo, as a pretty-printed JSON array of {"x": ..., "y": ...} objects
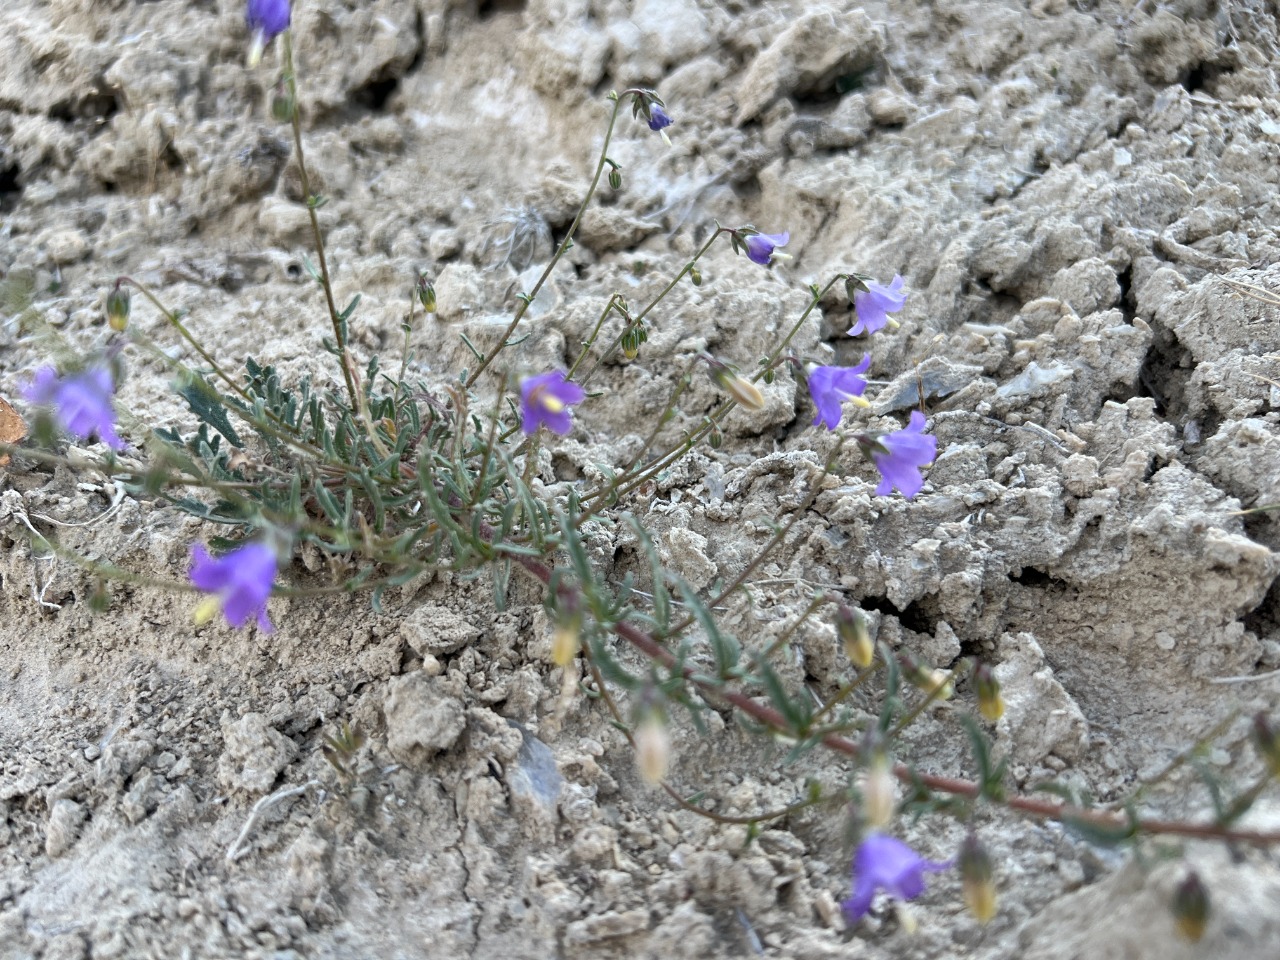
[{"x": 1066, "y": 187}]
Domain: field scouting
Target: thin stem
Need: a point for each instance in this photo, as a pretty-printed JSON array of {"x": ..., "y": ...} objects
[
  {"x": 614, "y": 300},
  {"x": 666, "y": 785},
  {"x": 340, "y": 343},
  {"x": 639, "y": 318},
  {"x": 813, "y": 302},
  {"x": 682, "y": 384},
  {"x": 408, "y": 329},
  {"x": 766, "y": 550},
  {"x": 844, "y": 692},
  {"x": 1032, "y": 806},
  {"x": 1180, "y": 760},
  {"x": 932, "y": 697},
  {"x": 528, "y": 298},
  {"x": 782, "y": 638},
  {"x": 174, "y": 318}
]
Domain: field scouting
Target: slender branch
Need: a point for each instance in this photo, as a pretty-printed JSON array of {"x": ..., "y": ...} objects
[
  {"x": 639, "y": 318},
  {"x": 340, "y": 342},
  {"x": 528, "y": 297},
  {"x": 1043, "y": 809}
]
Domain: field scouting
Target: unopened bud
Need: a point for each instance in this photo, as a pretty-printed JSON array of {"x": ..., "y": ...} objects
[
  {"x": 426, "y": 293},
  {"x": 977, "y": 880},
  {"x": 990, "y": 703},
  {"x": 566, "y": 642},
  {"x": 1191, "y": 908},
  {"x": 631, "y": 340},
  {"x": 879, "y": 793},
  {"x": 118, "y": 307},
  {"x": 746, "y": 393},
  {"x": 851, "y": 627},
  {"x": 283, "y": 105},
  {"x": 769, "y": 375},
  {"x": 929, "y": 679},
  {"x": 696, "y": 276},
  {"x": 1267, "y": 741},
  {"x": 715, "y": 438},
  {"x": 653, "y": 748},
  {"x": 742, "y": 390},
  {"x": 615, "y": 178}
]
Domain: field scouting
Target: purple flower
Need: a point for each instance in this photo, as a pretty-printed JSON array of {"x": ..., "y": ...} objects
[
  {"x": 81, "y": 402},
  {"x": 242, "y": 580},
  {"x": 883, "y": 863},
  {"x": 900, "y": 455},
  {"x": 760, "y": 246},
  {"x": 658, "y": 118},
  {"x": 875, "y": 303},
  {"x": 545, "y": 399},
  {"x": 267, "y": 18},
  {"x": 832, "y": 386}
]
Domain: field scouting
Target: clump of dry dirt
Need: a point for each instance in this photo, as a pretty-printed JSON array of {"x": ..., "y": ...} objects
[{"x": 1076, "y": 194}]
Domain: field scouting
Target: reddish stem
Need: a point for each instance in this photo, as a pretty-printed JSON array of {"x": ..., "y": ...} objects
[{"x": 1044, "y": 809}]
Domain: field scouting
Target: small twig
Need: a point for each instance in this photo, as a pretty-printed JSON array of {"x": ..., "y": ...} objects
[
  {"x": 1274, "y": 674},
  {"x": 239, "y": 848}
]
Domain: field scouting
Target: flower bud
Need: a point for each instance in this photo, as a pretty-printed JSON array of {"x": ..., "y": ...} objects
[
  {"x": 745, "y": 392},
  {"x": 426, "y": 293},
  {"x": 615, "y": 178},
  {"x": 742, "y": 390},
  {"x": 283, "y": 104},
  {"x": 879, "y": 793},
  {"x": 977, "y": 881},
  {"x": 566, "y": 642},
  {"x": 696, "y": 276},
  {"x": 1267, "y": 741},
  {"x": 769, "y": 375},
  {"x": 653, "y": 748},
  {"x": 118, "y": 307},
  {"x": 990, "y": 703},
  {"x": 928, "y": 679},
  {"x": 206, "y": 610},
  {"x": 851, "y": 628},
  {"x": 715, "y": 438},
  {"x": 1191, "y": 908},
  {"x": 631, "y": 340}
]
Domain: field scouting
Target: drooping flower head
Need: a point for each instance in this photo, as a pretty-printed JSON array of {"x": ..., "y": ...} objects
[
  {"x": 830, "y": 387},
  {"x": 81, "y": 402},
  {"x": 266, "y": 19},
  {"x": 647, "y": 105},
  {"x": 760, "y": 246},
  {"x": 900, "y": 455},
  {"x": 658, "y": 118},
  {"x": 545, "y": 399},
  {"x": 874, "y": 303},
  {"x": 884, "y": 863},
  {"x": 743, "y": 391},
  {"x": 241, "y": 581}
]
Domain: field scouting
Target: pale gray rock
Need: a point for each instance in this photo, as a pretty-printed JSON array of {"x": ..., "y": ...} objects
[
  {"x": 424, "y": 717},
  {"x": 253, "y": 754}
]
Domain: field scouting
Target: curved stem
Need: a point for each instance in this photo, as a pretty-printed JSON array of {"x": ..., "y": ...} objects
[
  {"x": 770, "y": 718},
  {"x": 764, "y": 551},
  {"x": 528, "y": 298},
  {"x": 587, "y": 344},
  {"x": 340, "y": 342},
  {"x": 656, "y": 300},
  {"x": 813, "y": 302}
]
